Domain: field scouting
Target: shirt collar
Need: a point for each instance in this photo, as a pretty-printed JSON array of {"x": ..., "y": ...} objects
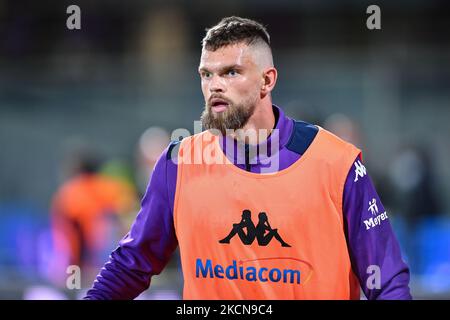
[{"x": 257, "y": 153}]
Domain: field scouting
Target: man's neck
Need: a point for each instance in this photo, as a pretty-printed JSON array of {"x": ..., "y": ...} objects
[{"x": 259, "y": 126}]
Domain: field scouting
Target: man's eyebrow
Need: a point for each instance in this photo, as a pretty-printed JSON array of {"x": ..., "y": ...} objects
[{"x": 222, "y": 69}]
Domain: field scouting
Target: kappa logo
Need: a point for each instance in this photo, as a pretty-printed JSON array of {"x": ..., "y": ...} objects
[
  {"x": 360, "y": 170},
  {"x": 374, "y": 221},
  {"x": 262, "y": 232}
]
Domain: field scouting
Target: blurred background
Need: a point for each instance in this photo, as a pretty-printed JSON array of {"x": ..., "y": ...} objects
[{"x": 102, "y": 102}]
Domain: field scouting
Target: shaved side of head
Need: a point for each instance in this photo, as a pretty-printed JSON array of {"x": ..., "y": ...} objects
[{"x": 262, "y": 54}]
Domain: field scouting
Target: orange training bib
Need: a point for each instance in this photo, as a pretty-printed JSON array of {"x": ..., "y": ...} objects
[{"x": 244, "y": 235}]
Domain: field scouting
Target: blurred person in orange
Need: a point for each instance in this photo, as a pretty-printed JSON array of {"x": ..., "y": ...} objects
[{"x": 84, "y": 214}]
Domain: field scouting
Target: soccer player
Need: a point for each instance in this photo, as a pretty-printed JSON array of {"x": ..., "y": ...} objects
[{"x": 311, "y": 186}]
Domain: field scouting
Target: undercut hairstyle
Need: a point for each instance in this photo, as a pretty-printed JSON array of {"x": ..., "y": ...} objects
[{"x": 233, "y": 30}]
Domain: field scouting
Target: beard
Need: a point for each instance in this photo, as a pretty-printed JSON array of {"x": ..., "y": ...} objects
[{"x": 233, "y": 118}]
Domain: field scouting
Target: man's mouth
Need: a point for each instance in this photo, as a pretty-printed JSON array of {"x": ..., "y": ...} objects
[{"x": 219, "y": 105}]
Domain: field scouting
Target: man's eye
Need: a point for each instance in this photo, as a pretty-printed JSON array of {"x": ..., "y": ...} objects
[
  {"x": 232, "y": 73},
  {"x": 206, "y": 75}
]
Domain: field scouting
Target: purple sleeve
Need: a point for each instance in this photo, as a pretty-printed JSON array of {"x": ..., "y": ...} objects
[
  {"x": 371, "y": 241},
  {"x": 149, "y": 244}
]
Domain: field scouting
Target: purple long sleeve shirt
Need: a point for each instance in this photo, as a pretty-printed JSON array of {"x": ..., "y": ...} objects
[{"x": 148, "y": 246}]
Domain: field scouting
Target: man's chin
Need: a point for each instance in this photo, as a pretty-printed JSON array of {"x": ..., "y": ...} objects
[
  {"x": 216, "y": 132},
  {"x": 223, "y": 119}
]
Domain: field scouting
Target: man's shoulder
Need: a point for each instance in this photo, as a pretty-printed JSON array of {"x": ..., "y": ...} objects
[
  {"x": 303, "y": 134},
  {"x": 172, "y": 150},
  {"x": 174, "y": 146},
  {"x": 336, "y": 142},
  {"x": 328, "y": 145},
  {"x": 334, "y": 149}
]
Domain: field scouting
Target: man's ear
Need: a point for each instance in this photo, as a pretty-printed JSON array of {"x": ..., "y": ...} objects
[{"x": 269, "y": 79}]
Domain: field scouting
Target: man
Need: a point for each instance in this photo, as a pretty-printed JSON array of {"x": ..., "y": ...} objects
[{"x": 311, "y": 185}]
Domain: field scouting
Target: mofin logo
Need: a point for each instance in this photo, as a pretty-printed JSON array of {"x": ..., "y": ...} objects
[{"x": 237, "y": 271}]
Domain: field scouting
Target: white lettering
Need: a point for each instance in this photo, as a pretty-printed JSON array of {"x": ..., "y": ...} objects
[
  {"x": 74, "y": 20},
  {"x": 193, "y": 310},
  {"x": 373, "y": 222},
  {"x": 374, "y": 20},
  {"x": 374, "y": 280},
  {"x": 74, "y": 280}
]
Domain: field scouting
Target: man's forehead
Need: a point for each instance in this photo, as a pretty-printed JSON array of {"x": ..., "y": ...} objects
[{"x": 236, "y": 54}]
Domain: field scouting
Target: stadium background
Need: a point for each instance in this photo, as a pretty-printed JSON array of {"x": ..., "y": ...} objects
[{"x": 133, "y": 66}]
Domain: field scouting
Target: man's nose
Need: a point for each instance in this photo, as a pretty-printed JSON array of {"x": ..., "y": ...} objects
[{"x": 216, "y": 84}]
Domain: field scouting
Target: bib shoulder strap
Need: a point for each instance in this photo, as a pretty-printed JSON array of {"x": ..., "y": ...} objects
[{"x": 302, "y": 136}]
